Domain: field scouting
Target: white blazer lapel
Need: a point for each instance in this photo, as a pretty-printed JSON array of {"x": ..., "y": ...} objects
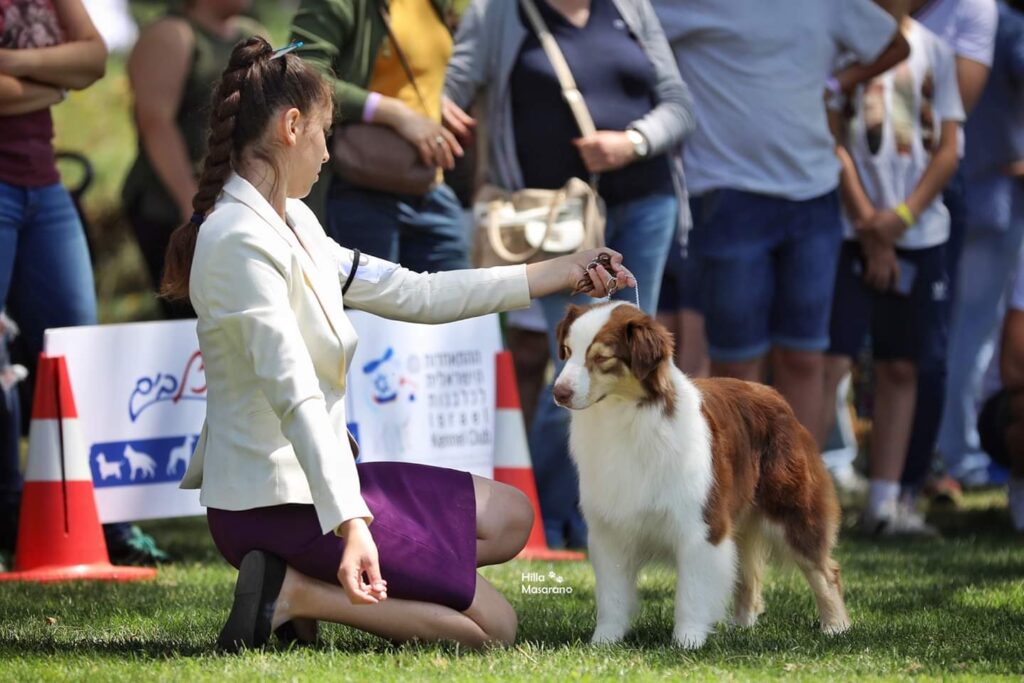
[{"x": 322, "y": 280}]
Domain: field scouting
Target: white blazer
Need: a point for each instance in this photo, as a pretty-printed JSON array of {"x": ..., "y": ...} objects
[{"x": 276, "y": 344}]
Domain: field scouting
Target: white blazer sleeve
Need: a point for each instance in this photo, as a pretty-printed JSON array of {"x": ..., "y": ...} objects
[
  {"x": 391, "y": 291},
  {"x": 245, "y": 289}
]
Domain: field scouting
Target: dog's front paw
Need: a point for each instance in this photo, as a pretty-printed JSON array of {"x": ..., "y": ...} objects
[
  {"x": 690, "y": 637},
  {"x": 608, "y": 634}
]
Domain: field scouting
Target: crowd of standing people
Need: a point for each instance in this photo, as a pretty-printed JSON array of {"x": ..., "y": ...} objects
[{"x": 789, "y": 189}]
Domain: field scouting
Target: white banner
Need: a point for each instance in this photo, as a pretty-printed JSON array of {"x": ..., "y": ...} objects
[
  {"x": 425, "y": 393},
  {"x": 417, "y": 393},
  {"x": 140, "y": 390}
]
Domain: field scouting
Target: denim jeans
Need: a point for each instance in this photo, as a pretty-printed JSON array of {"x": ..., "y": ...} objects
[
  {"x": 642, "y": 231},
  {"x": 427, "y": 233},
  {"x": 45, "y": 281},
  {"x": 988, "y": 261},
  {"x": 10, "y": 471}
]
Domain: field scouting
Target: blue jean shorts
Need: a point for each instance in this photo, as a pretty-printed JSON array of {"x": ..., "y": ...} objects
[
  {"x": 767, "y": 269},
  {"x": 911, "y": 326}
]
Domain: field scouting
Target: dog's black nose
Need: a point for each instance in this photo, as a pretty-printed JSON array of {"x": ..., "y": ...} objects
[{"x": 562, "y": 393}]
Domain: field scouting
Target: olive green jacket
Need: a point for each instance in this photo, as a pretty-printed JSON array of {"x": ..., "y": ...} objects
[{"x": 342, "y": 39}]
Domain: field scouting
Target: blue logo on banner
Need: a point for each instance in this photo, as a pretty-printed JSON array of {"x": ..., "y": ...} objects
[
  {"x": 386, "y": 379},
  {"x": 146, "y": 461},
  {"x": 190, "y": 385}
]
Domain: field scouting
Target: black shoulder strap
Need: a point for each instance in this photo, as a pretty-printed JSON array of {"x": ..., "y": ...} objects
[{"x": 352, "y": 273}]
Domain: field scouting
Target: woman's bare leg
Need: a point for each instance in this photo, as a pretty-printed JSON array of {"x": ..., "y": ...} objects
[
  {"x": 489, "y": 621},
  {"x": 504, "y": 518}
]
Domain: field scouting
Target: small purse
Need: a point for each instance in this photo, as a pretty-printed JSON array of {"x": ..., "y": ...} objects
[
  {"x": 374, "y": 156},
  {"x": 532, "y": 225}
]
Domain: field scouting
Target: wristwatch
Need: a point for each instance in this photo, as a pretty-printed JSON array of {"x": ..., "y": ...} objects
[{"x": 640, "y": 144}]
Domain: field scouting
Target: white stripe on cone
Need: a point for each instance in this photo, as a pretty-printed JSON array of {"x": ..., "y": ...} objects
[
  {"x": 510, "y": 448},
  {"x": 44, "y": 452}
]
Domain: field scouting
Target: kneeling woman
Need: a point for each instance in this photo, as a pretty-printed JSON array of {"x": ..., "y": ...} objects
[{"x": 385, "y": 547}]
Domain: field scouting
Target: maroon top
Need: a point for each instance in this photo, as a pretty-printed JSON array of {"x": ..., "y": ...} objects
[{"x": 26, "y": 140}]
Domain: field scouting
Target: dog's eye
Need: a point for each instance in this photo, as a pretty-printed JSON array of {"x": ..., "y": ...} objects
[{"x": 565, "y": 351}]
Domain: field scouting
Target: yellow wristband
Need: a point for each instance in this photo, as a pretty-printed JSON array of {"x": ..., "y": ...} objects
[{"x": 905, "y": 214}]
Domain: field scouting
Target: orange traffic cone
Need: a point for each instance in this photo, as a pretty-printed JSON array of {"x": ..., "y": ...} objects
[
  {"x": 512, "y": 464},
  {"x": 59, "y": 533}
]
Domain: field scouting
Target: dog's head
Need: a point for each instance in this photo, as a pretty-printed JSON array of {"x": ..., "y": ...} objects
[{"x": 612, "y": 350}]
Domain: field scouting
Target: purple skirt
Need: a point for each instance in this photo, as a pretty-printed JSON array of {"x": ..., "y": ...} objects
[{"x": 424, "y": 527}]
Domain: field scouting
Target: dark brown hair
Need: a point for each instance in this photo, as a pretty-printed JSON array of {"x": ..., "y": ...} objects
[{"x": 251, "y": 90}]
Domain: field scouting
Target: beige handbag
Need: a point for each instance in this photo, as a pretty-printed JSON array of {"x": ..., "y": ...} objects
[
  {"x": 532, "y": 224},
  {"x": 374, "y": 156}
]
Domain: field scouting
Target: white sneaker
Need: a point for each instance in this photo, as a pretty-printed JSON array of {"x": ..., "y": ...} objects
[
  {"x": 848, "y": 481},
  {"x": 897, "y": 520}
]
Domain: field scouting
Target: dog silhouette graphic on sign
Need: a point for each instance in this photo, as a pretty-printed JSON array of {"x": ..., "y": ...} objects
[
  {"x": 140, "y": 462},
  {"x": 181, "y": 454},
  {"x": 110, "y": 468}
]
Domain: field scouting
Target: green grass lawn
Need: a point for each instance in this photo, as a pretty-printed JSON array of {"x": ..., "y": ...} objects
[{"x": 936, "y": 609}]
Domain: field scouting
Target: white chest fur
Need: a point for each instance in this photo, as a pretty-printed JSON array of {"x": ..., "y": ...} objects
[{"x": 644, "y": 475}]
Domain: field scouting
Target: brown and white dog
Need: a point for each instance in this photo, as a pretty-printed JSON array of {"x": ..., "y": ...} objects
[{"x": 708, "y": 474}]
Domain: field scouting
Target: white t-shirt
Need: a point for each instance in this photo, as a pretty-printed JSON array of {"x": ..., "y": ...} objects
[
  {"x": 897, "y": 123},
  {"x": 967, "y": 26},
  {"x": 757, "y": 71},
  {"x": 992, "y": 382}
]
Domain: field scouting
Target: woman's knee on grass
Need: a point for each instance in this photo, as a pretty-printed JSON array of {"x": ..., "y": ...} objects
[{"x": 494, "y": 615}]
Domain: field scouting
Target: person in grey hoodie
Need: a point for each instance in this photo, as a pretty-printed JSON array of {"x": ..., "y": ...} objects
[{"x": 628, "y": 77}]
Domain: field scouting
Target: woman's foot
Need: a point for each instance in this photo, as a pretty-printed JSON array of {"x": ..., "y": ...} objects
[
  {"x": 297, "y": 632},
  {"x": 260, "y": 577}
]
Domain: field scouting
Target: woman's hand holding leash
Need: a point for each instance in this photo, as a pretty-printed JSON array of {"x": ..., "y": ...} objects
[
  {"x": 597, "y": 272},
  {"x": 359, "y": 573}
]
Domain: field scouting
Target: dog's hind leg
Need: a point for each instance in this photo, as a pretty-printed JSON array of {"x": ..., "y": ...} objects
[
  {"x": 752, "y": 550},
  {"x": 706, "y": 577},
  {"x": 823, "y": 578},
  {"x": 811, "y": 545}
]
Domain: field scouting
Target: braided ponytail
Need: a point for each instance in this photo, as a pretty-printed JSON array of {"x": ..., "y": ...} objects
[{"x": 250, "y": 91}]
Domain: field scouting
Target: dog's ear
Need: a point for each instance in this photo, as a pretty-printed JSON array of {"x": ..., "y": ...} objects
[
  {"x": 562, "y": 330},
  {"x": 649, "y": 344}
]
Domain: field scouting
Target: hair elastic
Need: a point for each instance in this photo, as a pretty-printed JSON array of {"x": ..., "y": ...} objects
[
  {"x": 290, "y": 47},
  {"x": 197, "y": 219}
]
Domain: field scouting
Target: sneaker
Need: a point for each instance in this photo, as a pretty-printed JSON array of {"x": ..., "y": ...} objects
[
  {"x": 944, "y": 490},
  {"x": 897, "y": 520},
  {"x": 849, "y": 482},
  {"x": 136, "y": 548}
]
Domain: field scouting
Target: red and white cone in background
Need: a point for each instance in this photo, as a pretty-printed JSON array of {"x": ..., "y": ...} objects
[
  {"x": 59, "y": 532},
  {"x": 512, "y": 463}
]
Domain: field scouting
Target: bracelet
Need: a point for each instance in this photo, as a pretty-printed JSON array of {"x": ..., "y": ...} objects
[
  {"x": 833, "y": 86},
  {"x": 905, "y": 214},
  {"x": 372, "y": 100}
]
